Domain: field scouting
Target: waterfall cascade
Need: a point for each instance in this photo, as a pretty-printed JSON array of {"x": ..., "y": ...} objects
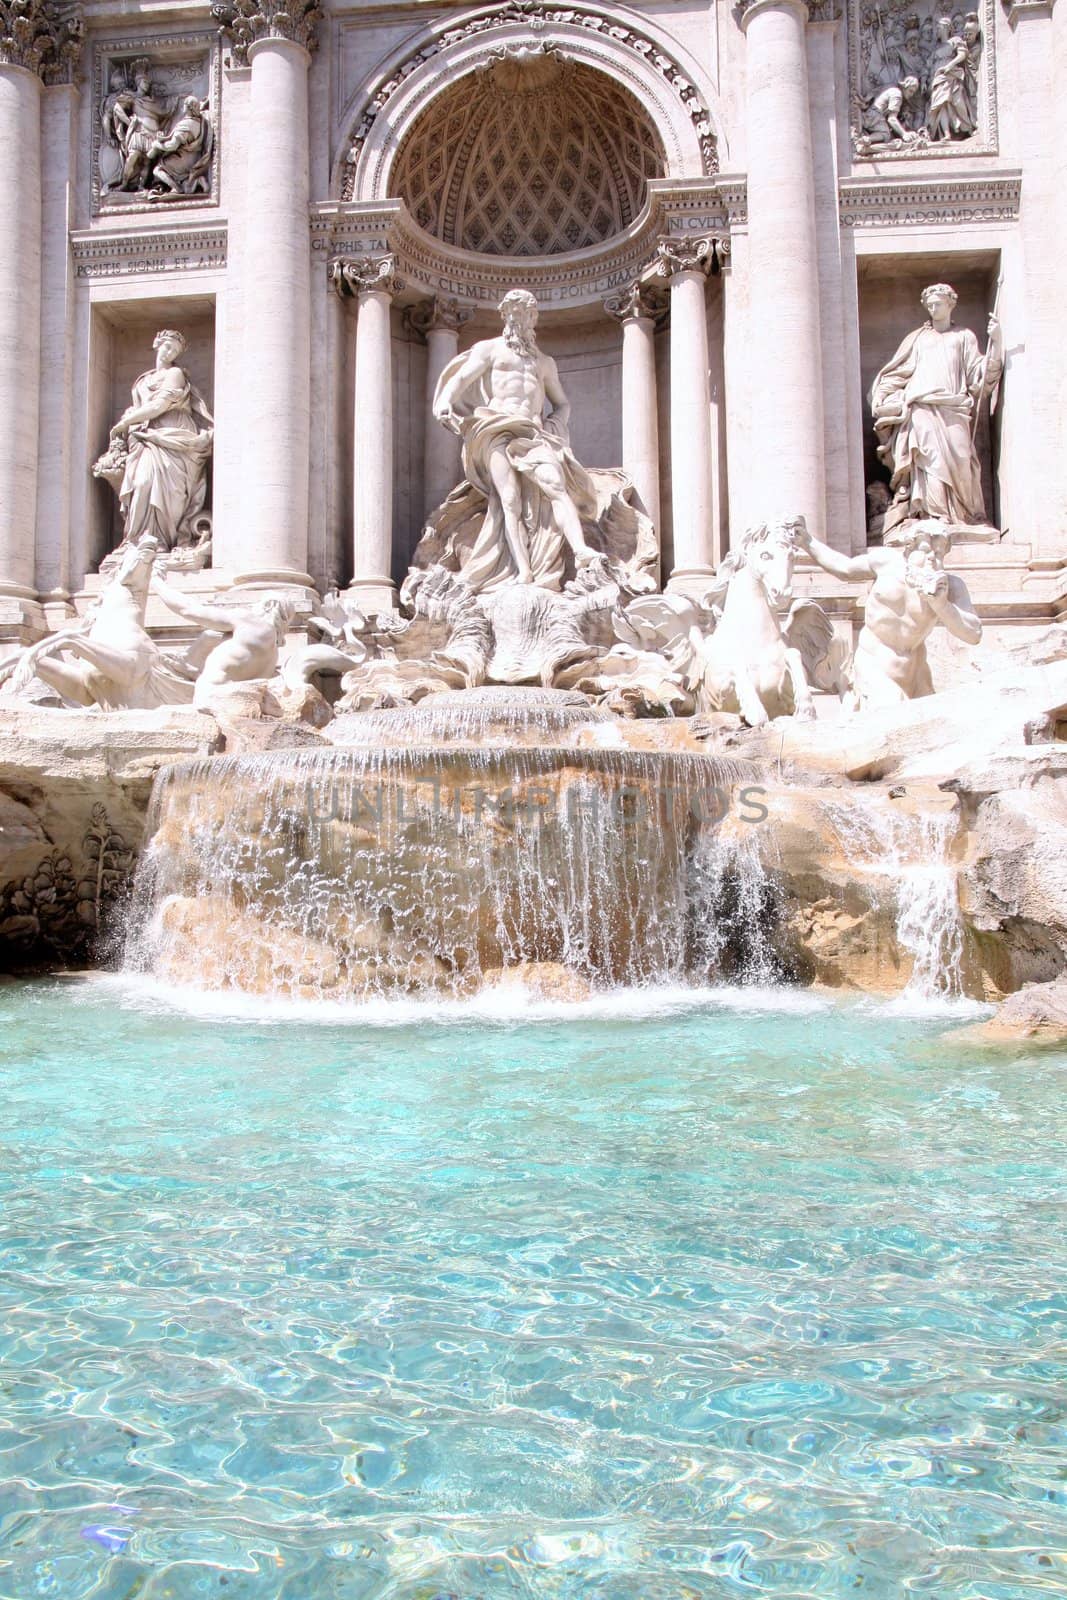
[
  {"x": 431, "y": 853},
  {"x": 906, "y": 856},
  {"x": 497, "y": 835},
  {"x": 491, "y": 716}
]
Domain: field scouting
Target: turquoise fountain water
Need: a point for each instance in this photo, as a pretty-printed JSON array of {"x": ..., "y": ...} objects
[{"x": 664, "y": 1297}]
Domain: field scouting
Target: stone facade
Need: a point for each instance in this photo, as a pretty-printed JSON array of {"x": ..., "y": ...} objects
[{"x": 727, "y": 214}]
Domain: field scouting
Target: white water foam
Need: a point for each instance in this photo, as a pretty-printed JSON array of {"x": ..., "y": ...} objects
[
  {"x": 930, "y": 1008},
  {"x": 504, "y": 1007}
]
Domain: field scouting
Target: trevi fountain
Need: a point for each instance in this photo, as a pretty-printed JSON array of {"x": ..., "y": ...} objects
[{"x": 533, "y": 799}]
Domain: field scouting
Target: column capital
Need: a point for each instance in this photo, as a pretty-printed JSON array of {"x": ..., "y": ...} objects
[
  {"x": 817, "y": 11},
  {"x": 354, "y": 276},
  {"x": 244, "y": 23},
  {"x": 44, "y": 36},
  {"x": 677, "y": 255},
  {"x": 440, "y": 312},
  {"x": 639, "y": 301}
]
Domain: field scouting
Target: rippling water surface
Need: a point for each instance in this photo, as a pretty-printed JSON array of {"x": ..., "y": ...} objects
[{"x": 688, "y": 1297}]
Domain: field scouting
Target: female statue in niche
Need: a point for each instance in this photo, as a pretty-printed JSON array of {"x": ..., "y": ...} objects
[
  {"x": 158, "y": 454},
  {"x": 924, "y": 404}
]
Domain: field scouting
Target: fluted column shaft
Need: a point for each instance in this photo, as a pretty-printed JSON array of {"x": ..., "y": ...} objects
[
  {"x": 20, "y": 325},
  {"x": 272, "y": 543},
  {"x": 372, "y": 509},
  {"x": 443, "y": 447},
  {"x": 372, "y": 285},
  {"x": 441, "y": 321},
  {"x": 784, "y": 347},
  {"x": 640, "y": 419},
  {"x": 685, "y": 262}
]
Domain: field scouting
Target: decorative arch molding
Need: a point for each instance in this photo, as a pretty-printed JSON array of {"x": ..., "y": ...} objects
[{"x": 630, "y": 52}]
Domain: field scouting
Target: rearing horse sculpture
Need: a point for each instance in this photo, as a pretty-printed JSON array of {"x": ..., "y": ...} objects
[{"x": 754, "y": 662}]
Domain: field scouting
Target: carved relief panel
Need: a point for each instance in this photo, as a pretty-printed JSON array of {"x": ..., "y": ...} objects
[
  {"x": 155, "y": 127},
  {"x": 923, "y": 78}
]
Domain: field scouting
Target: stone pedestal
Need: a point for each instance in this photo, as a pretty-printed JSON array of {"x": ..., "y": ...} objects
[
  {"x": 270, "y": 546},
  {"x": 685, "y": 262},
  {"x": 20, "y": 339},
  {"x": 372, "y": 285},
  {"x": 784, "y": 350},
  {"x": 637, "y": 311}
]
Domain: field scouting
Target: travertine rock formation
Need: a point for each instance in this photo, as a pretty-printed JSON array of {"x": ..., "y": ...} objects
[
  {"x": 74, "y": 793},
  {"x": 1035, "y": 1015}
]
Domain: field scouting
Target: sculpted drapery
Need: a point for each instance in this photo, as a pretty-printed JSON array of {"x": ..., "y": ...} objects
[
  {"x": 531, "y": 448},
  {"x": 923, "y": 403},
  {"x": 164, "y": 485},
  {"x": 526, "y": 509},
  {"x": 159, "y": 451}
]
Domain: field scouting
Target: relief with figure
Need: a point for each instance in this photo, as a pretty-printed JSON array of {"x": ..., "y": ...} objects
[{"x": 922, "y": 79}]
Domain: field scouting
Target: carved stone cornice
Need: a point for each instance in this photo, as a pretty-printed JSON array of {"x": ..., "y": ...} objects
[
  {"x": 353, "y": 276},
  {"x": 44, "y": 36},
  {"x": 242, "y": 23},
  {"x": 441, "y": 312},
  {"x": 640, "y": 300},
  {"x": 1017, "y": 9},
  {"x": 157, "y": 249},
  {"x": 539, "y": 19},
  {"x": 930, "y": 202},
  {"x": 695, "y": 209}
]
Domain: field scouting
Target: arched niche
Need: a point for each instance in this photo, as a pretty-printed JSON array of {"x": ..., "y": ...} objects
[
  {"x": 626, "y": 51},
  {"x": 533, "y": 154}
]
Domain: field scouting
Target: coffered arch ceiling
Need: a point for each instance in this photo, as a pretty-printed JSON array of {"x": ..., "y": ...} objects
[{"x": 532, "y": 154}]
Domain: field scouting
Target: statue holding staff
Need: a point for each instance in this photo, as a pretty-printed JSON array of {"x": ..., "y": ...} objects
[{"x": 924, "y": 402}]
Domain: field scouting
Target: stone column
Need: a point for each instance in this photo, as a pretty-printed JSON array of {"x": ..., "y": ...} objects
[
  {"x": 439, "y": 321},
  {"x": 38, "y": 44},
  {"x": 638, "y": 310},
  {"x": 271, "y": 545},
  {"x": 685, "y": 262},
  {"x": 57, "y": 573},
  {"x": 372, "y": 284},
  {"x": 1033, "y": 480},
  {"x": 784, "y": 348}
]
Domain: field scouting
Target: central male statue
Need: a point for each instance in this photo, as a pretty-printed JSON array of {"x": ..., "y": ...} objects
[{"x": 520, "y": 514}]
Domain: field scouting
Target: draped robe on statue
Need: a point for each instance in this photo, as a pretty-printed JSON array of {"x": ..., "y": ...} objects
[
  {"x": 467, "y": 532},
  {"x": 164, "y": 484},
  {"x": 923, "y": 404}
]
